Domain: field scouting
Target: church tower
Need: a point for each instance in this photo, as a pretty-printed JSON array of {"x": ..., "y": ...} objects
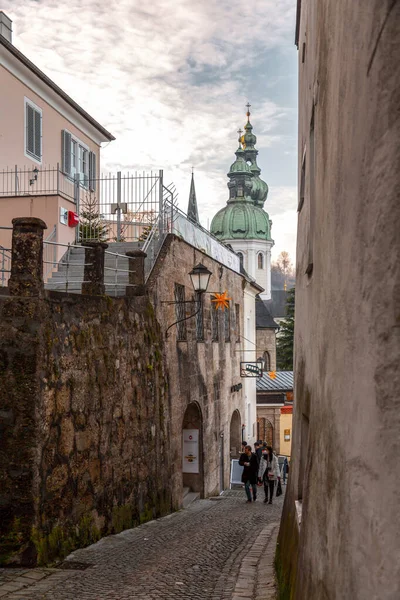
[{"x": 243, "y": 222}]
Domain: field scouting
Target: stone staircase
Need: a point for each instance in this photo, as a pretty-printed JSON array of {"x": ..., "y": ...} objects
[
  {"x": 189, "y": 497},
  {"x": 71, "y": 270}
]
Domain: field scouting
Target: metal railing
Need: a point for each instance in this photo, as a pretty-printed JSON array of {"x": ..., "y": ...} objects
[
  {"x": 114, "y": 206},
  {"x": 5, "y": 262},
  {"x": 49, "y": 254},
  {"x": 70, "y": 275}
]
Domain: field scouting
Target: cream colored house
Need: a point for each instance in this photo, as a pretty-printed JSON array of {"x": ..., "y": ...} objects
[{"x": 49, "y": 145}]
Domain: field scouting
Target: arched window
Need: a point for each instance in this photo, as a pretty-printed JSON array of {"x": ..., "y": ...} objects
[
  {"x": 267, "y": 361},
  {"x": 241, "y": 258},
  {"x": 260, "y": 261}
]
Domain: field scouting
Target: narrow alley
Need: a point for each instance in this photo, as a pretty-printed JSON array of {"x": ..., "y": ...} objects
[{"x": 221, "y": 549}]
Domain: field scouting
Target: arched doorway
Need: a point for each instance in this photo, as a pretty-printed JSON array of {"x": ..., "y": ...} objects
[
  {"x": 192, "y": 449},
  {"x": 265, "y": 431},
  {"x": 235, "y": 437}
]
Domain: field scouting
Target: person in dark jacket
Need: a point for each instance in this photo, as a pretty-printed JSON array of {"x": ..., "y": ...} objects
[{"x": 249, "y": 461}]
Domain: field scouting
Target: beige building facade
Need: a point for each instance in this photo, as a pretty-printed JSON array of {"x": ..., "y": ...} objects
[
  {"x": 203, "y": 353},
  {"x": 340, "y": 529}
]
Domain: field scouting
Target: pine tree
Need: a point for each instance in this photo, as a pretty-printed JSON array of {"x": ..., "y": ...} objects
[
  {"x": 91, "y": 224},
  {"x": 285, "y": 339}
]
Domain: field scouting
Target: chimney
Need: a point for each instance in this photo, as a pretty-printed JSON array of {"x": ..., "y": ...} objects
[{"x": 5, "y": 27}]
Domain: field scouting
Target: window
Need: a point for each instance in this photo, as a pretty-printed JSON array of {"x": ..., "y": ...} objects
[
  {"x": 241, "y": 258},
  {"x": 180, "y": 311},
  {"x": 302, "y": 183},
  {"x": 260, "y": 260},
  {"x": 227, "y": 324},
  {"x": 237, "y": 322},
  {"x": 267, "y": 361},
  {"x": 77, "y": 160},
  {"x": 214, "y": 321},
  {"x": 33, "y": 131},
  {"x": 199, "y": 317}
]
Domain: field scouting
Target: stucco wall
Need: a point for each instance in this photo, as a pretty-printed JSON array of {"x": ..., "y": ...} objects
[
  {"x": 199, "y": 372},
  {"x": 12, "y": 120},
  {"x": 43, "y": 207},
  {"x": 347, "y": 347},
  {"x": 285, "y": 423}
]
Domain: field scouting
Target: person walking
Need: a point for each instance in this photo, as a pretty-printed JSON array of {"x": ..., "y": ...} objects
[
  {"x": 258, "y": 450},
  {"x": 285, "y": 469},
  {"x": 268, "y": 472},
  {"x": 249, "y": 462}
]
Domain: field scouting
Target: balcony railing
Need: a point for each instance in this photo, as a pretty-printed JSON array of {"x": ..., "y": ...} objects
[{"x": 114, "y": 207}]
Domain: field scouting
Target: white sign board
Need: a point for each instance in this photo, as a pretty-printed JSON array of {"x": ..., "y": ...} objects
[
  {"x": 63, "y": 216},
  {"x": 190, "y": 458},
  {"x": 236, "y": 472}
]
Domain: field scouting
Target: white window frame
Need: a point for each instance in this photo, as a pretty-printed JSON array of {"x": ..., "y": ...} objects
[
  {"x": 79, "y": 144},
  {"x": 39, "y": 110}
]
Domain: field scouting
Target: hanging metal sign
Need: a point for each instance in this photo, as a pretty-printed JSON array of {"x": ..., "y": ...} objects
[{"x": 250, "y": 369}]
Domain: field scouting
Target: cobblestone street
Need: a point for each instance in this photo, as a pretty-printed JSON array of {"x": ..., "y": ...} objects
[{"x": 220, "y": 549}]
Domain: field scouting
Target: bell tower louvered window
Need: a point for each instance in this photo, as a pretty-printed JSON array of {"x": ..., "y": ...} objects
[{"x": 33, "y": 131}]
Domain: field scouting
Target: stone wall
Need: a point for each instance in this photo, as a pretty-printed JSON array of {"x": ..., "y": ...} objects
[
  {"x": 201, "y": 373},
  {"x": 346, "y": 422},
  {"x": 266, "y": 342},
  {"x": 84, "y": 420}
]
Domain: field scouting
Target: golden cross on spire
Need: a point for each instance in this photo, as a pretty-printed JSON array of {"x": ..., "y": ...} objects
[{"x": 248, "y": 112}]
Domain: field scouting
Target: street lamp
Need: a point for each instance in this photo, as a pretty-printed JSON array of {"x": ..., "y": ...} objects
[{"x": 200, "y": 276}]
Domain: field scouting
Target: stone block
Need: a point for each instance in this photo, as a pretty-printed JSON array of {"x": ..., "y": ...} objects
[
  {"x": 57, "y": 479},
  {"x": 83, "y": 440}
]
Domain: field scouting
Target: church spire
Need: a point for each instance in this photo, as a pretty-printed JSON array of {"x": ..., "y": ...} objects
[{"x": 192, "y": 212}]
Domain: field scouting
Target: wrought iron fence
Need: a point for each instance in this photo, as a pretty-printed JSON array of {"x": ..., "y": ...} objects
[{"x": 115, "y": 206}]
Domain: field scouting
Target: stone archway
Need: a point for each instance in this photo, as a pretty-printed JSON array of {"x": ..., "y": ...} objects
[
  {"x": 235, "y": 437},
  {"x": 192, "y": 449}
]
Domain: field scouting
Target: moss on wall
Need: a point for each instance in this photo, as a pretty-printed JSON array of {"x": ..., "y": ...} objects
[{"x": 91, "y": 372}]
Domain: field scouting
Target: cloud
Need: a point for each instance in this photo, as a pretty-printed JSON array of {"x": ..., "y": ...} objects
[{"x": 170, "y": 81}]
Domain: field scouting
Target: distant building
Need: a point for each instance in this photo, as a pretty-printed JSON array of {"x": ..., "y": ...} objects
[
  {"x": 275, "y": 409},
  {"x": 340, "y": 528}
]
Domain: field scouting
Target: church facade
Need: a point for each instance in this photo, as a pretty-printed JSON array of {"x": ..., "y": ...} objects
[{"x": 244, "y": 225}]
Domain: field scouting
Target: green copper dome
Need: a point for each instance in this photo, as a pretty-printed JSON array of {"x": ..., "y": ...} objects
[
  {"x": 241, "y": 220},
  {"x": 243, "y": 217}
]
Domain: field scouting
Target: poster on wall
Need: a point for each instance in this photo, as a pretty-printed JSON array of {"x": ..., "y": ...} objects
[{"x": 190, "y": 462}]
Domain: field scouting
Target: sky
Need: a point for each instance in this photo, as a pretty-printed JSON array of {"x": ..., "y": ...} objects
[{"x": 170, "y": 80}]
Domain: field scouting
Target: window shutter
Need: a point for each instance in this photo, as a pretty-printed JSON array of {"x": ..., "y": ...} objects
[
  {"x": 30, "y": 146},
  {"x": 66, "y": 152},
  {"x": 38, "y": 134},
  {"x": 92, "y": 171}
]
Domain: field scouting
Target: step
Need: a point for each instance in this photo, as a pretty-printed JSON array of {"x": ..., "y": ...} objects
[
  {"x": 190, "y": 498},
  {"x": 186, "y": 490}
]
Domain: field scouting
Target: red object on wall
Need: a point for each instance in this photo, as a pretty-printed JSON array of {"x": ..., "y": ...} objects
[{"x": 73, "y": 219}]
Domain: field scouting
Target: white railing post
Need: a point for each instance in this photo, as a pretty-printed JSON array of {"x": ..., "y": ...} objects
[{"x": 118, "y": 206}]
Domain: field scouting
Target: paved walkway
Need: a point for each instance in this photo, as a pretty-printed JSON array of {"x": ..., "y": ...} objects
[{"x": 219, "y": 549}]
